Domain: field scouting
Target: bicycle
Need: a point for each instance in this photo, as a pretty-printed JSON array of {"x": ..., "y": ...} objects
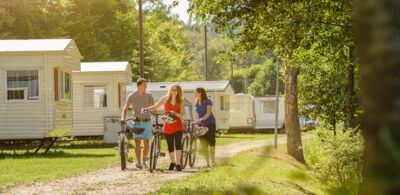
[
  {"x": 123, "y": 142},
  {"x": 155, "y": 148},
  {"x": 189, "y": 144}
]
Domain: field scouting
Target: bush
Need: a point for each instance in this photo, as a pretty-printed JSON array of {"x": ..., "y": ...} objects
[{"x": 337, "y": 159}]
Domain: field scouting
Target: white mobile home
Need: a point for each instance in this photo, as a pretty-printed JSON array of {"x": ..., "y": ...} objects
[
  {"x": 218, "y": 91},
  {"x": 35, "y": 86},
  {"x": 99, "y": 91},
  {"x": 241, "y": 111},
  {"x": 264, "y": 109}
]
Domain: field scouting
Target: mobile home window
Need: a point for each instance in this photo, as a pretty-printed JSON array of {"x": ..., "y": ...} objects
[
  {"x": 95, "y": 96},
  {"x": 23, "y": 85},
  {"x": 224, "y": 103},
  {"x": 269, "y": 106}
]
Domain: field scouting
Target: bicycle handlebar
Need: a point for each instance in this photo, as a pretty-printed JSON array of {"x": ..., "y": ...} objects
[
  {"x": 116, "y": 120},
  {"x": 157, "y": 114}
]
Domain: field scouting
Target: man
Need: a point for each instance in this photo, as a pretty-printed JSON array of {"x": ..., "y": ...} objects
[{"x": 140, "y": 99}]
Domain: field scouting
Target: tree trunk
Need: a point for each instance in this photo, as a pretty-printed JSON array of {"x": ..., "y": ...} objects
[
  {"x": 378, "y": 40},
  {"x": 292, "y": 125},
  {"x": 350, "y": 91},
  {"x": 333, "y": 123}
]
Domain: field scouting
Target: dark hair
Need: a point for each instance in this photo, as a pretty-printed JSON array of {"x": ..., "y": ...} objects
[
  {"x": 203, "y": 95},
  {"x": 140, "y": 81}
]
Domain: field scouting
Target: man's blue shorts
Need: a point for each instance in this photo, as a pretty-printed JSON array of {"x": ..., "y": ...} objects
[{"x": 147, "y": 130}]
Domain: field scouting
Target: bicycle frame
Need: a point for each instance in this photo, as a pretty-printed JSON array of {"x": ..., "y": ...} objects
[
  {"x": 189, "y": 143},
  {"x": 155, "y": 148},
  {"x": 123, "y": 143}
]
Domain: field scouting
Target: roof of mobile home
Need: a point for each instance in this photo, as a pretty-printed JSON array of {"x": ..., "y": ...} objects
[
  {"x": 104, "y": 66},
  {"x": 34, "y": 45},
  {"x": 186, "y": 86}
]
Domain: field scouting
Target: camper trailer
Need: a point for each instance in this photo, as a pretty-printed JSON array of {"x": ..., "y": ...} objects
[
  {"x": 241, "y": 112},
  {"x": 35, "y": 87},
  {"x": 252, "y": 113},
  {"x": 218, "y": 91},
  {"x": 99, "y": 91},
  {"x": 264, "y": 110}
]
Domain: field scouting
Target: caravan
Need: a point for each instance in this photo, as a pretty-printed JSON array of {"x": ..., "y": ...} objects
[
  {"x": 35, "y": 87},
  {"x": 254, "y": 113},
  {"x": 241, "y": 112}
]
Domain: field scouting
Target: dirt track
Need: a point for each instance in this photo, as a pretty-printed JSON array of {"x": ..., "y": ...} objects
[{"x": 132, "y": 181}]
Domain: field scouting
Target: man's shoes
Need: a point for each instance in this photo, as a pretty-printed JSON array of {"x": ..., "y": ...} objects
[
  {"x": 145, "y": 163},
  {"x": 171, "y": 166},
  {"x": 139, "y": 165},
  {"x": 178, "y": 168}
]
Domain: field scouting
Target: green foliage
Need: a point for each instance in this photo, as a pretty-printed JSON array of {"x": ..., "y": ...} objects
[
  {"x": 106, "y": 31},
  {"x": 321, "y": 93},
  {"x": 337, "y": 159},
  {"x": 265, "y": 81}
]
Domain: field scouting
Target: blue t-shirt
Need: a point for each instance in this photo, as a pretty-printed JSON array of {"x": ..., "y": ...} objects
[{"x": 202, "y": 110}]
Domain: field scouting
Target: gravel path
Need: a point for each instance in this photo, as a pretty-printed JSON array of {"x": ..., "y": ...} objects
[{"x": 132, "y": 181}]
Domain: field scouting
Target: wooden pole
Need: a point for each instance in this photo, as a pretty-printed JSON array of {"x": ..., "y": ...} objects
[
  {"x": 206, "y": 57},
  {"x": 141, "y": 48},
  {"x": 276, "y": 105}
]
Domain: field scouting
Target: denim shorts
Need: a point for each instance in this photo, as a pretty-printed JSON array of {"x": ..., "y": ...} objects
[{"x": 147, "y": 130}]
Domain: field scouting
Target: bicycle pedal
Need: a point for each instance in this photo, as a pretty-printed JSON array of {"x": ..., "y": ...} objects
[{"x": 162, "y": 154}]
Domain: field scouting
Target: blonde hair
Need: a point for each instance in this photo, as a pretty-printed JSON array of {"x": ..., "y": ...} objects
[{"x": 179, "y": 96}]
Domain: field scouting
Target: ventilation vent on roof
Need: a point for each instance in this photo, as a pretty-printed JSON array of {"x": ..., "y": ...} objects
[{"x": 163, "y": 86}]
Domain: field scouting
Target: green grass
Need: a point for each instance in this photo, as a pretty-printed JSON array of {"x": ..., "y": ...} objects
[
  {"x": 64, "y": 162},
  {"x": 75, "y": 159},
  {"x": 258, "y": 171},
  {"x": 233, "y": 138}
]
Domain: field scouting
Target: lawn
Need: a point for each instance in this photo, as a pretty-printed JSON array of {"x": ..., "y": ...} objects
[
  {"x": 258, "y": 171},
  {"x": 75, "y": 159},
  {"x": 64, "y": 162},
  {"x": 233, "y": 138}
]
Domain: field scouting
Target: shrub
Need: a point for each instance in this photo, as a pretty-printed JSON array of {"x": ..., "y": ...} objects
[{"x": 337, "y": 159}]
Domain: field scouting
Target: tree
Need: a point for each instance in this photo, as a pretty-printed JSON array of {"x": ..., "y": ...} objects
[
  {"x": 265, "y": 26},
  {"x": 377, "y": 32}
]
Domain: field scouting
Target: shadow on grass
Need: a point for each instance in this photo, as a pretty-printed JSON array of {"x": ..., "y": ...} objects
[
  {"x": 86, "y": 146},
  {"x": 56, "y": 154}
]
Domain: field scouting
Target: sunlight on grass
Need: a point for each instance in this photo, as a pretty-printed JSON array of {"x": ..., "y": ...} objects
[
  {"x": 258, "y": 171},
  {"x": 22, "y": 168},
  {"x": 233, "y": 138},
  {"x": 77, "y": 159}
]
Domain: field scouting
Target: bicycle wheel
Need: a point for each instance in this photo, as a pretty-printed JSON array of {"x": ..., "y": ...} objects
[
  {"x": 193, "y": 151},
  {"x": 153, "y": 153},
  {"x": 185, "y": 151},
  {"x": 122, "y": 151}
]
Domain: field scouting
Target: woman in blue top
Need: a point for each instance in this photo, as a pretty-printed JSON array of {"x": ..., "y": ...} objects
[{"x": 206, "y": 117}]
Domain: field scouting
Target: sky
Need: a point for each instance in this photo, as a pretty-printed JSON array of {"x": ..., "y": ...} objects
[{"x": 180, "y": 9}]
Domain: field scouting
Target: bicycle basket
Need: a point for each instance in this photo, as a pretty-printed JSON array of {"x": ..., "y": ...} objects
[
  {"x": 168, "y": 119},
  {"x": 135, "y": 130},
  {"x": 200, "y": 130}
]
